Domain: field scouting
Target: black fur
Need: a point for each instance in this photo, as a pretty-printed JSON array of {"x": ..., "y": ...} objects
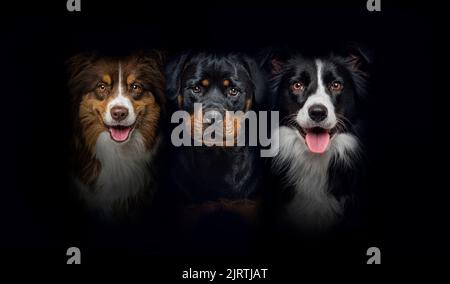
[
  {"x": 350, "y": 69},
  {"x": 212, "y": 173},
  {"x": 214, "y": 184}
]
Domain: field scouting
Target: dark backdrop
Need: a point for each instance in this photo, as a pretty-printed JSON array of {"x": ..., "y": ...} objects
[{"x": 402, "y": 177}]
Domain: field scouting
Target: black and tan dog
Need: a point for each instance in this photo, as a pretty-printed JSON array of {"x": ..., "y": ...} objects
[
  {"x": 209, "y": 178},
  {"x": 117, "y": 108}
]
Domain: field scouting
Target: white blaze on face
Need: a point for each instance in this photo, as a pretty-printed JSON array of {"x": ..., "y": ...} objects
[
  {"x": 318, "y": 141},
  {"x": 120, "y": 99},
  {"x": 320, "y": 97}
]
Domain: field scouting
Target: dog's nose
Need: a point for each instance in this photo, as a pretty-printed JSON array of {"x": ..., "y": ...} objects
[
  {"x": 119, "y": 113},
  {"x": 317, "y": 112},
  {"x": 212, "y": 116}
]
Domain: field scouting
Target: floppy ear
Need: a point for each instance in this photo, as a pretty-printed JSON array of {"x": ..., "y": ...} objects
[
  {"x": 159, "y": 56},
  {"x": 151, "y": 68},
  {"x": 258, "y": 79},
  {"x": 156, "y": 58},
  {"x": 173, "y": 71},
  {"x": 76, "y": 66}
]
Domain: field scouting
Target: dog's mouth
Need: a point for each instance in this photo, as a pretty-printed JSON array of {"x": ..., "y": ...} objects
[
  {"x": 317, "y": 138},
  {"x": 120, "y": 133}
]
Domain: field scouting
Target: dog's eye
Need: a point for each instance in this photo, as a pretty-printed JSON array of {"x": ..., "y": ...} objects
[
  {"x": 101, "y": 86},
  {"x": 101, "y": 90},
  {"x": 196, "y": 89},
  {"x": 136, "y": 90},
  {"x": 233, "y": 92},
  {"x": 336, "y": 86},
  {"x": 298, "y": 87},
  {"x": 136, "y": 87}
]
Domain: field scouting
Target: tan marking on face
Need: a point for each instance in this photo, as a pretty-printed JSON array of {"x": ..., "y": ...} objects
[
  {"x": 248, "y": 104},
  {"x": 107, "y": 79},
  {"x": 180, "y": 101},
  {"x": 197, "y": 126},
  {"x": 232, "y": 127},
  {"x": 205, "y": 83},
  {"x": 226, "y": 83},
  {"x": 131, "y": 79}
]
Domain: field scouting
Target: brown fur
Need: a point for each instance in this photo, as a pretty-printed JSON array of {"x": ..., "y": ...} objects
[
  {"x": 89, "y": 103},
  {"x": 247, "y": 209},
  {"x": 231, "y": 127},
  {"x": 205, "y": 83}
]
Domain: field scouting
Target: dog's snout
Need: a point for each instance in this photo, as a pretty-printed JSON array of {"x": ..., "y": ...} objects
[
  {"x": 212, "y": 116},
  {"x": 318, "y": 112},
  {"x": 119, "y": 113}
]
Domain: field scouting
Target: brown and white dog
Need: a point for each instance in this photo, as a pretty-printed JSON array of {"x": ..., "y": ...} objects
[{"x": 118, "y": 105}]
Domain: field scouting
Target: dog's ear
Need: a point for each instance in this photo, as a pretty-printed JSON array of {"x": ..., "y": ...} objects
[
  {"x": 358, "y": 57},
  {"x": 151, "y": 67},
  {"x": 273, "y": 59},
  {"x": 76, "y": 66},
  {"x": 159, "y": 56},
  {"x": 258, "y": 79},
  {"x": 276, "y": 66},
  {"x": 173, "y": 71}
]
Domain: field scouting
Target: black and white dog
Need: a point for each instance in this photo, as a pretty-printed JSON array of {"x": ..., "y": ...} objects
[{"x": 319, "y": 145}]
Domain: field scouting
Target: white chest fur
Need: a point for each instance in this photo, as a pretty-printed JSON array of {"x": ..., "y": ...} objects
[
  {"x": 312, "y": 207},
  {"x": 124, "y": 171}
]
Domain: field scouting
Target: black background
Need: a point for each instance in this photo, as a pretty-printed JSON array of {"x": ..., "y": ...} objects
[{"x": 402, "y": 181}]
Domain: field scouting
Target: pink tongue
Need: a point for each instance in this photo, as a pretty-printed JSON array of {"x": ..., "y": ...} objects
[
  {"x": 120, "y": 134},
  {"x": 317, "y": 142}
]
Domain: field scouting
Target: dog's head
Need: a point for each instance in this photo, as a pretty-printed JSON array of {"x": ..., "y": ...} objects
[
  {"x": 220, "y": 83},
  {"x": 123, "y": 97},
  {"x": 318, "y": 96}
]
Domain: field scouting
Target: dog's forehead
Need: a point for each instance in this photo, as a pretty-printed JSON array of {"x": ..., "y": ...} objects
[
  {"x": 105, "y": 69},
  {"x": 218, "y": 69},
  {"x": 328, "y": 66},
  {"x": 225, "y": 63},
  {"x": 105, "y": 66},
  {"x": 109, "y": 70},
  {"x": 299, "y": 65},
  {"x": 314, "y": 67},
  {"x": 332, "y": 70},
  {"x": 132, "y": 64}
]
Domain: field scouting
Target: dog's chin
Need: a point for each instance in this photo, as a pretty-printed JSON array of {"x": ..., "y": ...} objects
[
  {"x": 120, "y": 133},
  {"x": 317, "y": 139}
]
